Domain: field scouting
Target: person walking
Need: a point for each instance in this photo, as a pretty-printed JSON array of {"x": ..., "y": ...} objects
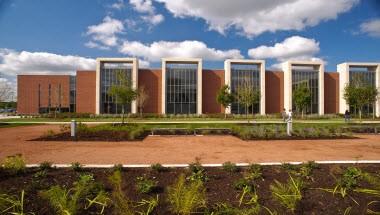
[
  {"x": 347, "y": 116},
  {"x": 284, "y": 115}
]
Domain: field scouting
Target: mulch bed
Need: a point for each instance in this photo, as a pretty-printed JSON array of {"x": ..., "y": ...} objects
[{"x": 219, "y": 188}]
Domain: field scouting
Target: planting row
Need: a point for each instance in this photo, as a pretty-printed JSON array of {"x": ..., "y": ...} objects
[
  {"x": 118, "y": 132},
  {"x": 287, "y": 189}
]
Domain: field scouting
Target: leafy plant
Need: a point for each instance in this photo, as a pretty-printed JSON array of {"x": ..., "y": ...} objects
[
  {"x": 67, "y": 201},
  {"x": 14, "y": 164},
  {"x": 230, "y": 167},
  {"x": 150, "y": 205},
  {"x": 145, "y": 185},
  {"x": 122, "y": 205},
  {"x": 101, "y": 200},
  {"x": 197, "y": 172},
  {"x": 254, "y": 172},
  {"x": 224, "y": 98},
  {"x": 288, "y": 194},
  {"x": 158, "y": 167},
  {"x": 306, "y": 169},
  {"x": 46, "y": 165},
  {"x": 186, "y": 198},
  {"x": 76, "y": 166},
  {"x": 12, "y": 204},
  {"x": 118, "y": 167}
]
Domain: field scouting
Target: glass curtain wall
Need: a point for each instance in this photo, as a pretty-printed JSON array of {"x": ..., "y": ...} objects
[
  {"x": 108, "y": 77},
  {"x": 308, "y": 75},
  {"x": 363, "y": 76},
  {"x": 72, "y": 107},
  {"x": 241, "y": 73},
  {"x": 181, "y": 88}
]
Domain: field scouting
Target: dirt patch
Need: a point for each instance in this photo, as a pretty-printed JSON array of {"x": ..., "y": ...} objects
[{"x": 219, "y": 188}]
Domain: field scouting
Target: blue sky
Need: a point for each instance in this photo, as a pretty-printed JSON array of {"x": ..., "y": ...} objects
[{"x": 60, "y": 36}]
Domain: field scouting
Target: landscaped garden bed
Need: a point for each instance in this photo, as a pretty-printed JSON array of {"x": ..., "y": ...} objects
[
  {"x": 283, "y": 189},
  {"x": 268, "y": 131}
]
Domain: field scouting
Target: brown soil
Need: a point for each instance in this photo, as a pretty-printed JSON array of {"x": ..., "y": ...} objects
[
  {"x": 181, "y": 149},
  {"x": 219, "y": 188}
]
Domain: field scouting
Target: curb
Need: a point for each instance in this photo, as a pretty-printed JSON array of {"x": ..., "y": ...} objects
[{"x": 212, "y": 165}]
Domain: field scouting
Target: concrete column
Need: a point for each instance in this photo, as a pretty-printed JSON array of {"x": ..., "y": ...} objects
[
  {"x": 227, "y": 79},
  {"x": 378, "y": 88},
  {"x": 343, "y": 70},
  {"x": 199, "y": 88},
  {"x": 321, "y": 89}
]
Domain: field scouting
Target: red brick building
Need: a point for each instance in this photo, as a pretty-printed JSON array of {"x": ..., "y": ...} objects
[{"x": 86, "y": 91}]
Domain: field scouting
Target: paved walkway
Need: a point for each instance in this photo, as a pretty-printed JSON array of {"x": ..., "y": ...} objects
[{"x": 181, "y": 149}]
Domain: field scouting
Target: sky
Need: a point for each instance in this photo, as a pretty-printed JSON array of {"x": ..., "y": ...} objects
[{"x": 62, "y": 36}]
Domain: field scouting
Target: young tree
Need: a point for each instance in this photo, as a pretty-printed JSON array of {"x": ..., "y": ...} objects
[
  {"x": 301, "y": 98},
  {"x": 5, "y": 91},
  {"x": 123, "y": 92},
  {"x": 372, "y": 95},
  {"x": 248, "y": 95},
  {"x": 357, "y": 95},
  {"x": 57, "y": 99},
  {"x": 224, "y": 98},
  {"x": 142, "y": 98}
]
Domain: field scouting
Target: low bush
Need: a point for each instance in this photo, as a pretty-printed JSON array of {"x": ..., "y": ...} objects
[
  {"x": 12, "y": 204},
  {"x": 14, "y": 164},
  {"x": 145, "y": 185},
  {"x": 46, "y": 165},
  {"x": 230, "y": 167},
  {"x": 76, "y": 166},
  {"x": 186, "y": 198},
  {"x": 158, "y": 167},
  {"x": 122, "y": 205},
  {"x": 118, "y": 167},
  {"x": 71, "y": 201}
]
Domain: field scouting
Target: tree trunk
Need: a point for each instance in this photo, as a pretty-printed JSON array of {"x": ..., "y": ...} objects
[
  {"x": 122, "y": 114},
  {"x": 373, "y": 110},
  {"x": 302, "y": 113},
  {"x": 360, "y": 114},
  {"x": 246, "y": 112},
  {"x": 225, "y": 113},
  {"x": 141, "y": 112}
]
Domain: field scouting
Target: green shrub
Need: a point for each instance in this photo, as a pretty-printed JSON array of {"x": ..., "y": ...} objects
[
  {"x": 14, "y": 164},
  {"x": 46, "y": 165},
  {"x": 289, "y": 194},
  {"x": 158, "y": 167},
  {"x": 230, "y": 167},
  {"x": 145, "y": 185},
  {"x": 68, "y": 201},
  {"x": 186, "y": 198},
  {"x": 76, "y": 166},
  {"x": 118, "y": 167},
  {"x": 306, "y": 169},
  {"x": 227, "y": 209},
  {"x": 122, "y": 205},
  {"x": 150, "y": 204},
  {"x": 12, "y": 204},
  {"x": 254, "y": 172}
]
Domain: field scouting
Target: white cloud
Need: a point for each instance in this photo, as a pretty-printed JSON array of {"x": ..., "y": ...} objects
[
  {"x": 153, "y": 19},
  {"x": 91, "y": 44},
  {"x": 142, "y": 6},
  {"x": 255, "y": 17},
  {"x": 157, "y": 50},
  {"x": 13, "y": 62},
  {"x": 106, "y": 32},
  {"x": 292, "y": 48},
  {"x": 146, "y": 7},
  {"x": 371, "y": 28},
  {"x": 118, "y": 5}
]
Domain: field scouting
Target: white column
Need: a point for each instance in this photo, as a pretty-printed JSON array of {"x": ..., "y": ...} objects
[
  {"x": 321, "y": 89},
  {"x": 343, "y": 70},
  {"x": 199, "y": 88},
  {"x": 135, "y": 69},
  {"x": 227, "y": 80},
  {"x": 287, "y": 69},
  {"x": 97, "y": 87},
  {"x": 378, "y": 88},
  {"x": 163, "y": 87},
  {"x": 262, "y": 86}
]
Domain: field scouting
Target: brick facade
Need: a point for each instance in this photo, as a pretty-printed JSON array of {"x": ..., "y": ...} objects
[
  {"x": 212, "y": 81},
  {"x": 33, "y": 92},
  {"x": 85, "y": 91},
  {"x": 151, "y": 80},
  {"x": 274, "y": 92},
  {"x": 331, "y": 92}
]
